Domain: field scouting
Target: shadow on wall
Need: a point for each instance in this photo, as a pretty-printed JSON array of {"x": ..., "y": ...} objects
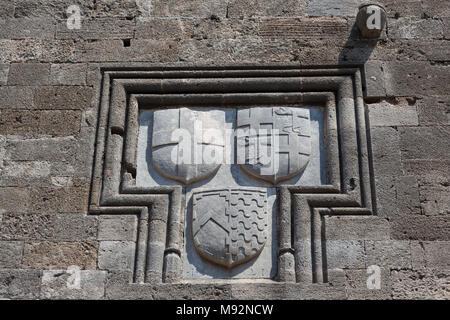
[{"x": 358, "y": 50}]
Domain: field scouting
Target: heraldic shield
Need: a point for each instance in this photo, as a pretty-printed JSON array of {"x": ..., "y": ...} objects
[
  {"x": 229, "y": 226},
  {"x": 179, "y": 143},
  {"x": 274, "y": 143}
]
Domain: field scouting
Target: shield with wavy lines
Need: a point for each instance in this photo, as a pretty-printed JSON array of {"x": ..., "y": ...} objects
[{"x": 229, "y": 226}]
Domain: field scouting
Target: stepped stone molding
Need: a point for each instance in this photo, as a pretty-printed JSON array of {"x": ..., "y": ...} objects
[{"x": 302, "y": 241}]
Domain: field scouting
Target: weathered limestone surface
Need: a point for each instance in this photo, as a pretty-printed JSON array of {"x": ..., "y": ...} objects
[
  {"x": 49, "y": 100},
  {"x": 60, "y": 284},
  {"x": 57, "y": 255}
]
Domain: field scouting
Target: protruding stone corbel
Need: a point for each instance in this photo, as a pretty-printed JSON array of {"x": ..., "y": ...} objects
[{"x": 371, "y": 20}]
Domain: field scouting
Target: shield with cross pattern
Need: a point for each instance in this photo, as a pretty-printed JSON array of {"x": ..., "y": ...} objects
[
  {"x": 274, "y": 143},
  {"x": 179, "y": 142}
]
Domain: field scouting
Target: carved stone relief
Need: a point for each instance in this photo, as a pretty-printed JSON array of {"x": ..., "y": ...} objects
[
  {"x": 229, "y": 226},
  {"x": 232, "y": 218},
  {"x": 167, "y": 156},
  {"x": 288, "y": 150}
]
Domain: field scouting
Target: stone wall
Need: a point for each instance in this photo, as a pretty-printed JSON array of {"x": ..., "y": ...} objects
[{"x": 49, "y": 100}]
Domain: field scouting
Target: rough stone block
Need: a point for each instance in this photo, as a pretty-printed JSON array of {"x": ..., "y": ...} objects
[
  {"x": 265, "y": 8},
  {"x": 240, "y": 291},
  {"x": 27, "y": 226},
  {"x": 435, "y": 200},
  {"x": 388, "y": 254},
  {"x": 29, "y": 74},
  {"x": 61, "y": 149},
  {"x": 348, "y": 51},
  {"x": 11, "y": 254},
  {"x": 61, "y": 181},
  {"x": 16, "y": 97},
  {"x": 397, "y": 195},
  {"x": 30, "y": 50},
  {"x": 386, "y": 194},
  {"x": 415, "y": 78},
  {"x": 434, "y": 110},
  {"x": 64, "y": 284},
  {"x": 187, "y": 291},
  {"x": 337, "y": 8},
  {"x": 336, "y": 277},
  {"x": 345, "y": 254},
  {"x": 7, "y": 10},
  {"x": 436, "y": 8},
  {"x": 423, "y": 284},
  {"x": 139, "y": 50},
  {"x": 403, "y": 8},
  {"x": 356, "y": 228},
  {"x": 40, "y": 122},
  {"x": 62, "y": 97},
  {"x": 80, "y": 170},
  {"x": 357, "y": 288},
  {"x": 2, "y": 150},
  {"x": 297, "y": 50},
  {"x": 368, "y": 294},
  {"x": 417, "y": 227},
  {"x": 207, "y": 28},
  {"x": 26, "y": 28},
  {"x": 75, "y": 227},
  {"x": 49, "y": 8},
  {"x": 429, "y": 172},
  {"x": 446, "y": 28},
  {"x": 252, "y": 50},
  {"x": 24, "y": 173},
  {"x": 116, "y": 255},
  {"x": 115, "y": 281},
  {"x": 68, "y": 74},
  {"x": 20, "y": 284},
  {"x": 161, "y": 28},
  {"x": 386, "y": 151},
  {"x": 430, "y": 254},
  {"x": 14, "y": 199},
  {"x": 374, "y": 77},
  {"x": 60, "y": 255},
  {"x": 121, "y": 9},
  {"x": 194, "y": 8},
  {"x": 407, "y": 28},
  {"x": 408, "y": 201},
  {"x": 436, "y": 51},
  {"x": 66, "y": 199},
  {"x": 118, "y": 228},
  {"x": 304, "y": 28},
  {"x": 425, "y": 142},
  {"x": 192, "y": 28},
  {"x": 4, "y": 69},
  {"x": 52, "y": 162},
  {"x": 103, "y": 28},
  {"x": 67, "y": 159},
  {"x": 393, "y": 113}
]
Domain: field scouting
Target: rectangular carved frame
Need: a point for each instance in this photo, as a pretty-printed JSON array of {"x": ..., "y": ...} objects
[{"x": 301, "y": 238}]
